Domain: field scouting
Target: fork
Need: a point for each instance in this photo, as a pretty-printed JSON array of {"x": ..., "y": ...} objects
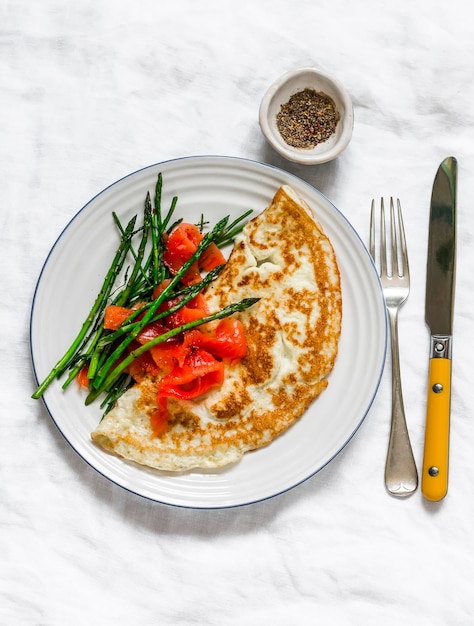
[{"x": 401, "y": 476}]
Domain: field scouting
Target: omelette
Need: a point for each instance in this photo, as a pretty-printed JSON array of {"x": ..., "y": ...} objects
[{"x": 283, "y": 257}]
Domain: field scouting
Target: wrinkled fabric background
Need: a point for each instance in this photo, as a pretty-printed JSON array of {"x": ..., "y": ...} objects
[{"x": 94, "y": 90}]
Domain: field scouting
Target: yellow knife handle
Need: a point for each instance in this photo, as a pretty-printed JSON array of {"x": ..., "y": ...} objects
[{"x": 434, "y": 482}]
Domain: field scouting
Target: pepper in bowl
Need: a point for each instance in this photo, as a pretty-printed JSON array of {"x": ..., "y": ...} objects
[{"x": 307, "y": 116}]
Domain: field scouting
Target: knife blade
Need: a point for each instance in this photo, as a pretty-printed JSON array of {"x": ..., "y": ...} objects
[{"x": 439, "y": 307}]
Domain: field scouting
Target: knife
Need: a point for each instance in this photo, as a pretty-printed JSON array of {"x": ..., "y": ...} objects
[{"x": 439, "y": 304}]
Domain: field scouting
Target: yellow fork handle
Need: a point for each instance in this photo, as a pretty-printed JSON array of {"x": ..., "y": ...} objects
[{"x": 434, "y": 481}]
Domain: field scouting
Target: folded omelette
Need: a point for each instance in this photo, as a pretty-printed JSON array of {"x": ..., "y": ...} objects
[{"x": 283, "y": 257}]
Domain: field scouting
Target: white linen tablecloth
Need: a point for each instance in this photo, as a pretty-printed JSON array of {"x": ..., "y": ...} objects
[{"x": 96, "y": 89}]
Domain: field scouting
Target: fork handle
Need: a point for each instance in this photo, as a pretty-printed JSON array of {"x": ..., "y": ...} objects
[{"x": 401, "y": 476}]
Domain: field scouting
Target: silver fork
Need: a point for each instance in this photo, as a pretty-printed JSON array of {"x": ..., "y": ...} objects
[{"x": 401, "y": 476}]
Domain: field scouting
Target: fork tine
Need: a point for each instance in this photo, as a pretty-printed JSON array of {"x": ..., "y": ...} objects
[
  {"x": 403, "y": 243},
  {"x": 394, "y": 237},
  {"x": 383, "y": 241}
]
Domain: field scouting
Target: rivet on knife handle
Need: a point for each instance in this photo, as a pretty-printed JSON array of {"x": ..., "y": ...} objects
[{"x": 434, "y": 484}]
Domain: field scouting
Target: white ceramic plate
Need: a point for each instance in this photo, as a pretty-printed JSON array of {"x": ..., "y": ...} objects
[{"x": 214, "y": 186}]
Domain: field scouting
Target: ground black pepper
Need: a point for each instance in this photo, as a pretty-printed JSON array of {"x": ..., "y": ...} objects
[{"x": 308, "y": 118}]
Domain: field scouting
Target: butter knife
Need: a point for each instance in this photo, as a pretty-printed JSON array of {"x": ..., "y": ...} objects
[{"x": 439, "y": 305}]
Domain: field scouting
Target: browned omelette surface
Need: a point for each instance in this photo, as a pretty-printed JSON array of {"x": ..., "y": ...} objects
[{"x": 292, "y": 333}]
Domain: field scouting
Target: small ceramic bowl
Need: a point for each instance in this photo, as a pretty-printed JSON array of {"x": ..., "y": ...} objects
[{"x": 280, "y": 92}]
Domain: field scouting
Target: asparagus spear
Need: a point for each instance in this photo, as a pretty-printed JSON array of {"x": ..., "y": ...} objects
[
  {"x": 98, "y": 305},
  {"x": 232, "y": 230}
]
